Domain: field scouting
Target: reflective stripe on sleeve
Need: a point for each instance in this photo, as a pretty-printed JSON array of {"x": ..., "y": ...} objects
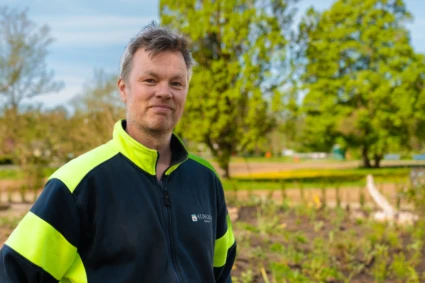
[
  {"x": 223, "y": 244},
  {"x": 40, "y": 243}
]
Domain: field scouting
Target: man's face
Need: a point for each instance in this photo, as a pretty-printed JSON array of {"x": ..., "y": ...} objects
[{"x": 156, "y": 91}]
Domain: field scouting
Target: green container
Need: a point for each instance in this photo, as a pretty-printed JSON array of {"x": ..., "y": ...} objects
[{"x": 338, "y": 153}]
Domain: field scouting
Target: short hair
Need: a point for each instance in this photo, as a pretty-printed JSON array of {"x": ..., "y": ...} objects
[{"x": 155, "y": 39}]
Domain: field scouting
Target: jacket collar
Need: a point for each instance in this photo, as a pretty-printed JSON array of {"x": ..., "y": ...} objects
[{"x": 144, "y": 157}]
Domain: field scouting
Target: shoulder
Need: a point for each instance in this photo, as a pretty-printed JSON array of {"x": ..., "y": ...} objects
[
  {"x": 75, "y": 170},
  {"x": 204, "y": 164}
]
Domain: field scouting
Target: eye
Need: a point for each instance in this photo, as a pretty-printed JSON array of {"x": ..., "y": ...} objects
[{"x": 176, "y": 84}]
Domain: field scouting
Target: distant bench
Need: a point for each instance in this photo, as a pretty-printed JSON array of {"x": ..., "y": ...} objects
[
  {"x": 392, "y": 156},
  {"x": 419, "y": 157}
]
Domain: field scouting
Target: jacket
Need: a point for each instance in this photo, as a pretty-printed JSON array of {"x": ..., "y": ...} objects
[{"x": 105, "y": 217}]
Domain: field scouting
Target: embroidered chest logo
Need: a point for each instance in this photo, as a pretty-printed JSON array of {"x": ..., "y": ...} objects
[{"x": 201, "y": 217}]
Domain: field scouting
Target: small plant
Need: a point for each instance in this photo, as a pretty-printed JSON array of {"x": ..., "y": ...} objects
[
  {"x": 246, "y": 277},
  {"x": 301, "y": 239},
  {"x": 259, "y": 253},
  {"x": 416, "y": 249},
  {"x": 281, "y": 272},
  {"x": 399, "y": 267},
  {"x": 318, "y": 226},
  {"x": 380, "y": 268},
  {"x": 277, "y": 247}
]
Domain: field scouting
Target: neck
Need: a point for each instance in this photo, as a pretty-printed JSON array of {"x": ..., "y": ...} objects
[{"x": 158, "y": 141}]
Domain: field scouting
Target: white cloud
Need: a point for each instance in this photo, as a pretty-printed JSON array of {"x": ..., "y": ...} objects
[
  {"x": 73, "y": 86},
  {"x": 60, "y": 98},
  {"x": 93, "y": 31},
  {"x": 91, "y": 38},
  {"x": 93, "y": 22}
]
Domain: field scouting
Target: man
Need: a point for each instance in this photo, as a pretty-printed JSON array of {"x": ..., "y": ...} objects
[{"x": 138, "y": 208}]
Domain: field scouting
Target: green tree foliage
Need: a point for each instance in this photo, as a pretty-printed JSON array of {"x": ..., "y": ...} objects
[
  {"x": 364, "y": 83},
  {"x": 239, "y": 47},
  {"x": 23, "y": 50}
]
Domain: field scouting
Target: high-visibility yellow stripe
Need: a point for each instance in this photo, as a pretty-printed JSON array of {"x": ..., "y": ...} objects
[
  {"x": 142, "y": 156},
  {"x": 76, "y": 274},
  {"x": 203, "y": 162},
  {"x": 74, "y": 171},
  {"x": 173, "y": 168},
  {"x": 223, "y": 244},
  {"x": 40, "y": 243}
]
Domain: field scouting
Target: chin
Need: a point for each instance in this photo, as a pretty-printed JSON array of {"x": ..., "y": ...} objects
[{"x": 160, "y": 128}]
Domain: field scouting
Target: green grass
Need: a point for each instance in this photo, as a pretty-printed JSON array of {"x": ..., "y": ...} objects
[
  {"x": 13, "y": 174},
  {"x": 9, "y": 222},
  {"x": 288, "y": 159},
  {"x": 238, "y": 159},
  {"x": 17, "y": 174},
  {"x": 321, "y": 178}
]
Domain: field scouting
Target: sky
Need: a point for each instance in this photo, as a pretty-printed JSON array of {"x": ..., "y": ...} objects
[{"x": 92, "y": 35}]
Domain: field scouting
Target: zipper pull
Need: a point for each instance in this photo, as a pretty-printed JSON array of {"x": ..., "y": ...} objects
[{"x": 166, "y": 199}]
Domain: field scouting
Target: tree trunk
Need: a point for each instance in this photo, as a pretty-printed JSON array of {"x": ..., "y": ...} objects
[
  {"x": 377, "y": 158},
  {"x": 225, "y": 168},
  {"x": 222, "y": 154},
  {"x": 366, "y": 160},
  {"x": 223, "y": 158}
]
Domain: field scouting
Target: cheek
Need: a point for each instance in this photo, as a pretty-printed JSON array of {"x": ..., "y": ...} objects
[
  {"x": 181, "y": 102},
  {"x": 181, "y": 99}
]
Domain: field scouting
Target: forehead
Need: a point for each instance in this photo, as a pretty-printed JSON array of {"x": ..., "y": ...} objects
[{"x": 166, "y": 61}]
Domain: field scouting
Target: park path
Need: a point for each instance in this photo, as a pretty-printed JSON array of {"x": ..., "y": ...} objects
[{"x": 245, "y": 168}]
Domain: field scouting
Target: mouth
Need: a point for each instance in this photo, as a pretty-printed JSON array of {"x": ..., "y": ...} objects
[{"x": 162, "y": 107}]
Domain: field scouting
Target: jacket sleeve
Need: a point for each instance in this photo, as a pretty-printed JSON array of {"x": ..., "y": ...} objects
[
  {"x": 43, "y": 246},
  {"x": 225, "y": 244}
]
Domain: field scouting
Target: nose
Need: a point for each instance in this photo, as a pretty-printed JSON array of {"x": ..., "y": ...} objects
[{"x": 163, "y": 91}]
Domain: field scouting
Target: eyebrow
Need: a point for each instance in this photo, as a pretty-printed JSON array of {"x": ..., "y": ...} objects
[
  {"x": 178, "y": 76},
  {"x": 150, "y": 73},
  {"x": 155, "y": 75}
]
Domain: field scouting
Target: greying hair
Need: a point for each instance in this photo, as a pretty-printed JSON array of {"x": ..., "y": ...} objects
[{"x": 155, "y": 40}]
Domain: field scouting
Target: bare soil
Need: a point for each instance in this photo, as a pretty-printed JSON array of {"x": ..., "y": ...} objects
[{"x": 303, "y": 225}]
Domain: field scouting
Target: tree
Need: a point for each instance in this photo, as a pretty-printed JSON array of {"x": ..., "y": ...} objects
[
  {"x": 239, "y": 47},
  {"x": 362, "y": 78},
  {"x": 96, "y": 111},
  {"x": 39, "y": 140},
  {"x": 23, "y": 50},
  {"x": 23, "y": 74}
]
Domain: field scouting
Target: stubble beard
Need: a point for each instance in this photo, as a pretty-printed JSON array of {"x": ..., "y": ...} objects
[{"x": 155, "y": 129}]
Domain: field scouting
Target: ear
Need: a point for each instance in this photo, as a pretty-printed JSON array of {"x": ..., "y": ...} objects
[{"x": 122, "y": 89}]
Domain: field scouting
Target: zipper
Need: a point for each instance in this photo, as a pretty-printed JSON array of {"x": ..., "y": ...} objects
[{"x": 167, "y": 205}]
